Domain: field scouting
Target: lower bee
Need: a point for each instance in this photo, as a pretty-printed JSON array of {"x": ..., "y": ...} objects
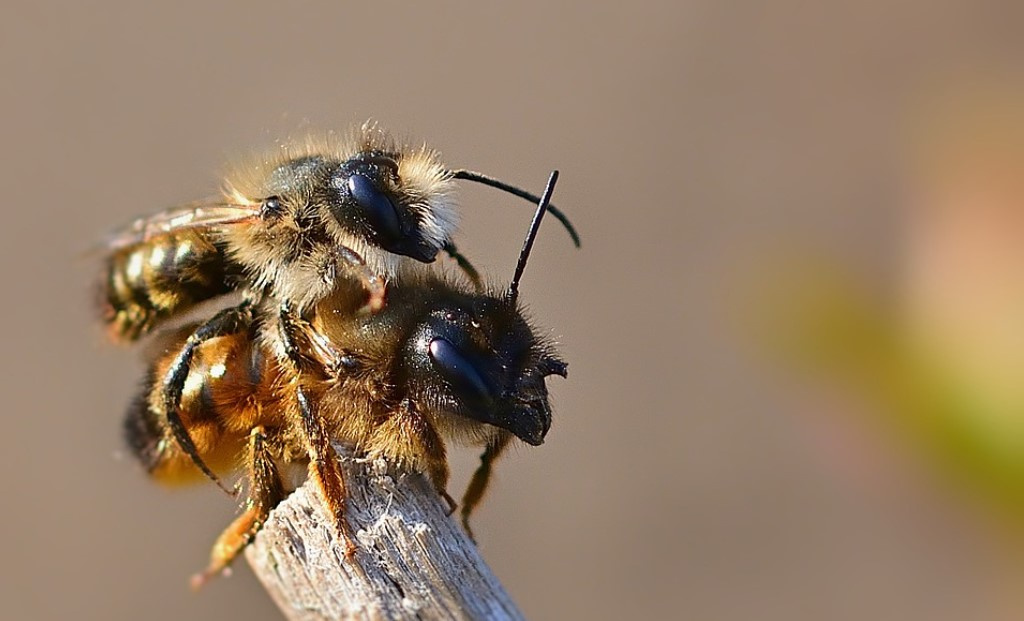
[{"x": 441, "y": 361}]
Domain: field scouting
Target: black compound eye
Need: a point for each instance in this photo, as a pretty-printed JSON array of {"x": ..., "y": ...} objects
[
  {"x": 379, "y": 210},
  {"x": 272, "y": 207},
  {"x": 461, "y": 373}
]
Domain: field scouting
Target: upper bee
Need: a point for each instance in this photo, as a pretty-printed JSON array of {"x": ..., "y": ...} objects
[
  {"x": 324, "y": 210},
  {"x": 290, "y": 226}
]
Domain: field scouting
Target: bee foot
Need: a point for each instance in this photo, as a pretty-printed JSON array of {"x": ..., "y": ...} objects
[
  {"x": 350, "y": 549},
  {"x": 198, "y": 581},
  {"x": 452, "y": 505}
]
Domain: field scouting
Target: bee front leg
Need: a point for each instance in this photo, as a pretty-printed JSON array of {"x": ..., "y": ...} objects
[
  {"x": 372, "y": 282},
  {"x": 324, "y": 467},
  {"x": 226, "y": 322},
  {"x": 265, "y": 492},
  {"x": 407, "y": 435},
  {"x": 323, "y": 459},
  {"x": 481, "y": 478}
]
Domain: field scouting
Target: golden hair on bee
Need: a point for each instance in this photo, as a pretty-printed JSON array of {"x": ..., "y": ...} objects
[
  {"x": 290, "y": 225},
  {"x": 290, "y": 229},
  {"x": 330, "y": 203}
]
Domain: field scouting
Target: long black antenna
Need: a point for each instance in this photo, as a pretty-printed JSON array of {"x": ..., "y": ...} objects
[
  {"x": 469, "y": 175},
  {"x": 543, "y": 206}
]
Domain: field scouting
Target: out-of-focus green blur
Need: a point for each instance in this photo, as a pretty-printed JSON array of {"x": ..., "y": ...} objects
[{"x": 932, "y": 350}]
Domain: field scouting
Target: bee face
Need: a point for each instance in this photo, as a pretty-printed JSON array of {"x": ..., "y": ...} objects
[
  {"x": 364, "y": 196},
  {"x": 321, "y": 206},
  {"x": 481, "y": 361}
]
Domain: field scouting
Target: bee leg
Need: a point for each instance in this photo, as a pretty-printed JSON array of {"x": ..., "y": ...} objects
[
  {"x": 227, "y": 321},
  {"x": 146, "y": 436},
  {"x": 323, "y": 459},
  {"x": 372, "y": 281},
  {"x": 409, "y": 435},
  {"x": 265, "y": 492},
  {"x": 311, "y": 351},
  {"x": 464, "y": 265},
  {"x": 324, "y": 467},
  {"x": 478, "y": 484}
]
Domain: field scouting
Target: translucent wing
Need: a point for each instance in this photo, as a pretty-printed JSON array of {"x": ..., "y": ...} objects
[{"x": 197, "y": 215}]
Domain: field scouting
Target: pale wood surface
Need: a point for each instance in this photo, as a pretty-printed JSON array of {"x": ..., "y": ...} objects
[{"x": 413, "y": 560}]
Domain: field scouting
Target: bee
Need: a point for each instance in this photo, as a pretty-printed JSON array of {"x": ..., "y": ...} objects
[
  {"x": 441, "y": 360},
  {"x": 289, "y": 230}
]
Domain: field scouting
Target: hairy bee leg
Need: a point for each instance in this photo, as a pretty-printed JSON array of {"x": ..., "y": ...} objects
[
  {"x": 419, "y": 443},
  {"x": 226, "y": 322},
  {"x": 323, "y": 465},
  {"x": 314, "y": 353},
  {"x": 452, "y": 505},
  {"x": 372, "y": 282},
  {"x": 265, "y": 492},
  {"x": 436, "y": 457},
  {"x": 464, "y": 264},
  {"x": 481, "y": 478},
  {"x": 146, "y": 436}
]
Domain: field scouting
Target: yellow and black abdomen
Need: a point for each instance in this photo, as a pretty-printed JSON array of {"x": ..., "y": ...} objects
[
  {"x": 231, "y": 388},
  {"x": 152, "y": 281}
]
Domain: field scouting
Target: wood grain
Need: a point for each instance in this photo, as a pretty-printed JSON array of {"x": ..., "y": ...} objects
[{"x": 413, "y": 561}]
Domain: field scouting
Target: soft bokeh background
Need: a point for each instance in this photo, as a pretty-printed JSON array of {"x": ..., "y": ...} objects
[{"x": 802, "y": 223}]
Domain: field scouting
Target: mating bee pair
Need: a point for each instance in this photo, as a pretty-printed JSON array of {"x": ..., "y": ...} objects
[{"x": 341, "y": 332}]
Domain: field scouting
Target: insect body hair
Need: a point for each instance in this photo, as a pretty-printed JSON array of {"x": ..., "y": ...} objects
[
  {"x": 148, "y": 283},
  {"x": 298, "y": 255}
]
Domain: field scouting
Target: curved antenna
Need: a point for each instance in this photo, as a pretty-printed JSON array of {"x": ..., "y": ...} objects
[
  {"x": 469, "y": 175},
  {"x": 543, "y": 205}
]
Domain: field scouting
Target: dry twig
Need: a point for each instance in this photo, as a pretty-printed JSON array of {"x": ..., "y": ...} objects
[{"x": 413, "y": 561}]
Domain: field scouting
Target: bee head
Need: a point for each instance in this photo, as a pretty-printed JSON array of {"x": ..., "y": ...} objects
[
  {"x": 479, "y": 359},
  {"x": 321, "y": 205},
  {"x": 476, "y": 356},
  {"x": 368, "y": 197},
  {"x": 398, "y": 202}
]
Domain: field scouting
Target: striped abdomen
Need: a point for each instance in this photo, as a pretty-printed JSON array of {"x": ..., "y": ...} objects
[
  {"x": 149, "y": 282},
  {"x": 231, "y": 388}
]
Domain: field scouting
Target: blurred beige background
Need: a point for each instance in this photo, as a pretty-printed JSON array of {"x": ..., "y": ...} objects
[{"x": 682, "y": 478}]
